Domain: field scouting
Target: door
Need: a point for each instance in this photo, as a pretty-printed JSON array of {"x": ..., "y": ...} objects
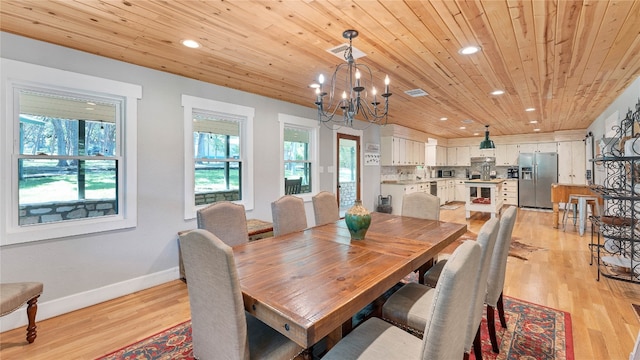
[{"x": 348, "y": 170}]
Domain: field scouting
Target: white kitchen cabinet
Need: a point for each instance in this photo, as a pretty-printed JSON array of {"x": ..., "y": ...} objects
[
  {"x": 451, "y": 190},
  {"x": 572, "y": 162},
  {"x": 538, "y": 147},
  {"x": 463, "y": 157},
  {"x": 397, "y": 151},
  {"x": 402, "y": 145},
  {"x": 418, "y": 152},
  {"x": 436, "y": 155},
  {"x": 460, "y": 191},
  {"x": 507, "y": 155},
  {"x": 509, "y": 192},
  {"x": 458, "y": 156},
  {"x": 397, "y": 192},
  {"x": 441, "y": 155},
  {"x": 443, "y": 191},
  {"x": 475, "y": 151}
]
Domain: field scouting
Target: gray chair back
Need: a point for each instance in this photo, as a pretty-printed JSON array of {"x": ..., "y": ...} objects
[
  {"x": 218, "y": 322},
  {"x": 288, "y": 215},
  {"x": 498, "y": 267},
  {"x": 444, "y": 334},
  {"x": 487, "y": 240},
  {"x": 226, "y": 220},
  {"x": 421, "y": 205},
  {"x": 325, "y": 208}
]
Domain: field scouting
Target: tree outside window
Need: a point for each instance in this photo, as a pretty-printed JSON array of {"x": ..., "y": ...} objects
[
  {"x": 217, "y": 158},
  {"x": 297, "y": 161},
  {"x": 66, "y": 154}
]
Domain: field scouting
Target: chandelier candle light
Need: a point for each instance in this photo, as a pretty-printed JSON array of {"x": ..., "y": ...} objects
[{"x": 354, "y": 100}]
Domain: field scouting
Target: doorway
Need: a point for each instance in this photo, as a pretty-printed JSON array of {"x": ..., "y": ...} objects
[{"x": 348, "y": 174}]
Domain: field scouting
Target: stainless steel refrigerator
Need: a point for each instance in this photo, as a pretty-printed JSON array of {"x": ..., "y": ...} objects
[{"x": 537, "y": 172}]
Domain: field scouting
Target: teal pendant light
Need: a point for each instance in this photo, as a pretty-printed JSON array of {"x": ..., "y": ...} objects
[{"x": 486, "y": 143}]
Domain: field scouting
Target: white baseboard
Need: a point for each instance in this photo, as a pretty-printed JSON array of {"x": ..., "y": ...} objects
[{"x": 77, "y": 301}]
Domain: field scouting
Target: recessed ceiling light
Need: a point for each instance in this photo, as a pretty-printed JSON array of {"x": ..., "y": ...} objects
[
  {"x": 497, "y": 92},
  {"x": 190, "y": 43},
  {"x": 463, "y": 127},
  {"x": 530, "y": 109},
  {"x": 443, "y": 119},
  {"x": 536, "y": 129},
  {"x": 533, "y": 122},
  {"x": 314, "y": 86},
  {"x": 468, "y": 50},
  {"x": 476, "y": 134}
]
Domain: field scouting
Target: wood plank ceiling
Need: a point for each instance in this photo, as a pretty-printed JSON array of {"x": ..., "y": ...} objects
[{"x": 567, "y": 59}]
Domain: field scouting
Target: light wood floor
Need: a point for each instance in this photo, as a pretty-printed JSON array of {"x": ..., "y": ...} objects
[{"x": 604, "y": 323}]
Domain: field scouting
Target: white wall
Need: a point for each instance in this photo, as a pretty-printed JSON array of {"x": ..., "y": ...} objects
[
  {"x": 83, "y": 270},
  {"x": 612, "y": 116}
]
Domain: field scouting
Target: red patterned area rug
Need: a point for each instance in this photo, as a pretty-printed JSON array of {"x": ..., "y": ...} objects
[{"x": 533, "y": 332}]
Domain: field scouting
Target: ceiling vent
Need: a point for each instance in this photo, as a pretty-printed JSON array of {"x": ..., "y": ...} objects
[
  {"x": 338, "y": 51},
  {"x": 416, "y": 93}
]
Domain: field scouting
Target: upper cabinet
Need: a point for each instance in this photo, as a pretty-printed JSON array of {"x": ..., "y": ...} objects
[
  {"x": 572, "y": 158},
  {"x": 436, "y": 155},
  {"x": 538, "y": 147},
  {"x": 395, "y": 151},
  {"x": 507, "y": 155},
  {"x": 458, "y": 156},
  {"x": 475, "y": 151}
]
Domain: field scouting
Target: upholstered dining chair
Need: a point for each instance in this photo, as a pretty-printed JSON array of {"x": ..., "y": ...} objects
[
  {"x": 14, "y": 295},
  {"x": 409, "y": 306},
  {"x": 226, "y": 220},
  {"x": 325, "y": 208},
  {"x": 445, "y": 320},
  {"x": 288, "y": 215},
  {"x": 497, "y": 270},
  {"x": 221, "y": 329},
  {"x": 421, "y": 205}
]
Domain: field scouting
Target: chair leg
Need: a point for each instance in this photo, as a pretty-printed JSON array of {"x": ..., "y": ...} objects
[
  {"x": 32, "y": 308},
  {"x": 477, "y": 345},
  {"x": 491, "y": 326},
  {"x": 503, "y": 320}
]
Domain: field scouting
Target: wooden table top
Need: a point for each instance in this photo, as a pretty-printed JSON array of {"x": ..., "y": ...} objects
[{"x": 306, "y": 284}]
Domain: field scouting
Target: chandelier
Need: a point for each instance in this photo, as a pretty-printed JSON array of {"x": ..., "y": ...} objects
[{"x": 348, "y": 96}]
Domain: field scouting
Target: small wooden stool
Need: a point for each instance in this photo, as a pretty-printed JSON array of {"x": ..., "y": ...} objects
[{"x": 14, "y": 295}]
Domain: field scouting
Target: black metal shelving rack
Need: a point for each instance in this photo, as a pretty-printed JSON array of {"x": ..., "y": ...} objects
[{"x": 615, "y": 233}]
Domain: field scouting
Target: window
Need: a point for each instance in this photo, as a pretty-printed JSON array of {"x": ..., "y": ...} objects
[
  {"x": 68, "y": 173},
  {"x": 217, "y": 153},
  {"x": 300, "y": 154}
]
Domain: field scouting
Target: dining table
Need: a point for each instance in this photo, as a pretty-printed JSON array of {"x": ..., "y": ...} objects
[{"x": 306, "y": 284}]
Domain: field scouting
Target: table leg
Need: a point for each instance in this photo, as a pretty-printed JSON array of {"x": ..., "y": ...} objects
[
  {"x": 334, "y": 337},
  {"x": 423, "y": 269},
  {"x": 555, "y": 215},
  {"x": 582, "y": 209}
]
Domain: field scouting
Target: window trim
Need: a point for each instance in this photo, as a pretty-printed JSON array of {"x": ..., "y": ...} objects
[
  {"x": 246, "y": 115},
  {"x": 314, "y": 127},
  {"x": 30, "y": 75}
]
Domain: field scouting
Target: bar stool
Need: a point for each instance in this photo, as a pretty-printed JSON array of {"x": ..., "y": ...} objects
[
  {"x": 573, "y": 202},
  {"x": 581, "y": 201}
]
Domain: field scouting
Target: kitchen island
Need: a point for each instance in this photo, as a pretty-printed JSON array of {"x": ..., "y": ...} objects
[{"x": 483, "y": 196}]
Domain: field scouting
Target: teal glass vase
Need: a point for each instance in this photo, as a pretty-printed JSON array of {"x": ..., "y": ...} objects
[{"x": 358, "y": 220}]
